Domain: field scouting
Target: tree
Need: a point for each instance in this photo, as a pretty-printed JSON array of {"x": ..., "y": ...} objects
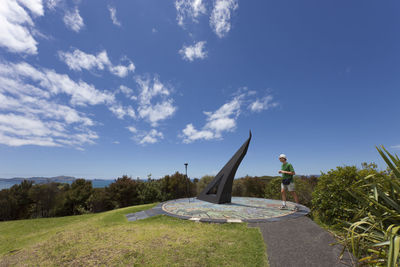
[
  {"x": 124, "y": 191},
  {"x": 77, "y": 197},
  {"x": 100, "y": 201}
]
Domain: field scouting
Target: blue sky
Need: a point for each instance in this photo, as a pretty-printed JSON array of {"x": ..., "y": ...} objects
[{"x": 98, "y": 89}]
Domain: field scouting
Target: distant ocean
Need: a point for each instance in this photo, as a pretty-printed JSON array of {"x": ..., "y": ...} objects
[{"x": 96, "y": 183}]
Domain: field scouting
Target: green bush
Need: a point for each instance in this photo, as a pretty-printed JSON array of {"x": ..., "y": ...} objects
[
  {"x": 203, "y": 182},
  {"x": 249, "y": 187},
  {"x": 305, "y": 186},
  {"x": 273, "y": 189},
  {"x": 330, "y": 200}
]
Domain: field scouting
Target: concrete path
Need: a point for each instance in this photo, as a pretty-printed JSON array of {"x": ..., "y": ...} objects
[
  {"x": 157, "y": 210},
  {"x": 301, "y": 242}
]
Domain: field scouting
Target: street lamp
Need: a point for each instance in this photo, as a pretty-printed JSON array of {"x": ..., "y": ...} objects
[
  {"x": 187, "y": 182},
  {"x": 186, "y": 164}
]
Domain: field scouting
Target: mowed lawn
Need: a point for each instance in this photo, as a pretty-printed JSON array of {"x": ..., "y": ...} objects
[{"x": 109, "y": 239}]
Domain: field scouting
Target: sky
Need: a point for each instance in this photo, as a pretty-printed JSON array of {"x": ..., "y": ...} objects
[{"x": 99, "y": 89}]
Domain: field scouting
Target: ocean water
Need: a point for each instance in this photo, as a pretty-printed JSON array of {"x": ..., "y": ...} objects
[{"x": 95, "y": 184}]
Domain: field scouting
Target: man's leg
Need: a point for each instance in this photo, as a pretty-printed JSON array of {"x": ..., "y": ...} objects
[
  {"x": 296, "y": 198},
  {"x": 283, "y": 193}
]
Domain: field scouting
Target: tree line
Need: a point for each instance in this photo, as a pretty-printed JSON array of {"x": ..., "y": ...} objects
[{"x": 28, "y": 200}]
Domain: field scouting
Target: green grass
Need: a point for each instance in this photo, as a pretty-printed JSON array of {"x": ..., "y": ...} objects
[{"x": 108, "y": 239}]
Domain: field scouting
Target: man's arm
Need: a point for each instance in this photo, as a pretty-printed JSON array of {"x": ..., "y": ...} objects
[{"x": 290, "y": 173}]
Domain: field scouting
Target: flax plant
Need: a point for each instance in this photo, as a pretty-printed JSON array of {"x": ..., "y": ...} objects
[{"x": 375, "y": 236}]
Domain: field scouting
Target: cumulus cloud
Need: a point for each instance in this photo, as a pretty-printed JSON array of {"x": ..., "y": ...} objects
[
  {"x": 73, "y": 20},
  {"x": 221, "y": 16},
  {"x": 189, "y": 9},
  {"x": 121, "y": 111},
  {"x": 143, "y": 137},
  {"x": 151, "y": 137},
  {"x": 17, "y": 27},
  {"x": 113, "y": 15},
  {"x": 78, "y": 60},
  {"x": 155, "y": 105},
  {"x": 263, "y": 104},
  {"x": 128, "y": 92},
  {"x": 32, "y": 112},
  {"x": 224, "y": 119},
  {"x": 80, "y": 92},
  {"x": 219, "y": 121},
  {"x": 52, "y": 4},
  {"x": 196, "y": 51}
]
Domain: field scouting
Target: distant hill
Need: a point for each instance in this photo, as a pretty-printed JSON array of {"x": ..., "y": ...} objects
[
  {"x": 40, "y": 180},
  {"x": 9, "y": 182}
]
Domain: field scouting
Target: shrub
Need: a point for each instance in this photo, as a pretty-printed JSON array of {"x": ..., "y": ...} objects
[
  {"x": 375, "y": 236},
  {"x": 330, "y": 200},
  {"x": 249, "y": 187},
  {"x": 305, "y": 186},
  {"x": 124, "y": 191},
  {"x": 273, "y": 189},
  {"x": 100, "y": 201},
  {"x": 203, "y": 182}
]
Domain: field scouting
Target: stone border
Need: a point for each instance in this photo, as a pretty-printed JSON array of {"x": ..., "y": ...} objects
[
  {"x": 158, "y": 210},
  {"x": 303, "y": 210}
]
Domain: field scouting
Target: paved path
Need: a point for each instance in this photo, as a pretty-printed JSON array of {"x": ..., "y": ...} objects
[
  {"x": 301, "y": 242},
  {"x": 157, "y": 210}
]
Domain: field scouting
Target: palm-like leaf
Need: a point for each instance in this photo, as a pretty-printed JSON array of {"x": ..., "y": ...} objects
[{"x": 376, "y": 235}]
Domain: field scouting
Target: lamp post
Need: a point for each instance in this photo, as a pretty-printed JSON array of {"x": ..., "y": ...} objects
[{"x": 187, "y": 182}]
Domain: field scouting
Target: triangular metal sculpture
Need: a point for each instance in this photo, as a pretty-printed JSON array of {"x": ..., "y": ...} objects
[{"x": 219, "y": 190}]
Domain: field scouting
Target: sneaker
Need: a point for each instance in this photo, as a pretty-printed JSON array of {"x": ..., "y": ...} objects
[{"x": 283, "y": 207}]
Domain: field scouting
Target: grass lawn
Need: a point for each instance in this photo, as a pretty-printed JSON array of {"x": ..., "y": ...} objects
[{"x": 108, "y": 239}]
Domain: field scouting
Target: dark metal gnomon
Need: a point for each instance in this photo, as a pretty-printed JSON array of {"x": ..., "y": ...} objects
[{"x": 219, "y": 190}]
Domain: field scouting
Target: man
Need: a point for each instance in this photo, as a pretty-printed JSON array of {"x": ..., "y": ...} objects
[{"x": 287, "y": 184}]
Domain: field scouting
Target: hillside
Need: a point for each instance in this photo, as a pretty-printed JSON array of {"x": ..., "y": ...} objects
[{"x": 108, "y": 238}]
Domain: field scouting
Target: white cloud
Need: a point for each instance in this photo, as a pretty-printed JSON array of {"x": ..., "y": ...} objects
[
  {"x": 224, "y": 119},
  {"x": 189, "y": 9},
  {"x": 132, "y": 129},
  {"x": 219, "y": 121},
  {"x": 35, "y": 6},
  {"x": 32, "y": 112},
  {"x": 157, "y": 112},
  {"x": 196, "y": 51},
  {"x": 80, "y": 92},
  {"x": 121, "y": 111},
  {"x": 78, "y": 60},
  {"x": 151, "y": 137},
  {"x": 143, "y": 137},
  {"x": 263, "y": 104},
  {"x": 113, "y": 15},
  {"x": 154, "y": 30},
  {"x": 73, "y": 20},
  {"x": 121, "y": 70},
  {"x": 128, "y": 92},
  {"x": 17, "y": 27},
  {"x": 52, "y": 4},
  {"x": 221, "y": 16},
  {"x": 154, "y": 102},
  {"x": 191, "y": 134},
  {"x": 396, "y": 147}
]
